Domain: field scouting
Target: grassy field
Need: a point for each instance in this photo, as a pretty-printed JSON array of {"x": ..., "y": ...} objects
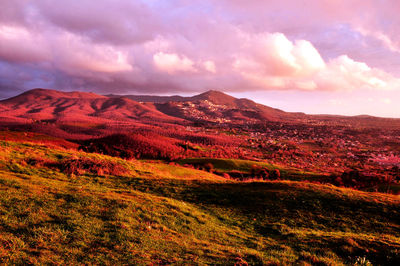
[
  {"x": 237, "y": 166},
  {"x": 60, "y": 206}
]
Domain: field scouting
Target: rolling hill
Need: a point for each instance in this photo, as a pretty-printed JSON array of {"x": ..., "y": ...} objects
[
  {"x": 149, "y": 191},
  {"x": 63, "y": 107},
  {"x": 51, "y": 106},
  {"x": 216, "y": 106}
]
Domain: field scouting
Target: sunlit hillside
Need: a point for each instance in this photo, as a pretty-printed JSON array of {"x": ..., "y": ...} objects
[{"x": 61, "y": 206}]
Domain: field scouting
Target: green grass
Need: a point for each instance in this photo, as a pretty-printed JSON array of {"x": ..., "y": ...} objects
[
  {"x": 168, "y": 214},
  {"x": 227, "y": 165},
  {"x": 245, "y": 166}
]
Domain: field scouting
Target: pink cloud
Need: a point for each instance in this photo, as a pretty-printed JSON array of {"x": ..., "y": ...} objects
[
  {"x": 118, "y": 22},
  {"x": 173, "y": 63},
  {"x": 210, "y": 66},
  {"x": 18, "y": 44},
  {"x": 73, "y": 53},
  {"x": 277, "y": 63},
  {"x": 198, "y": 45},
  {"x": 275, "y": 55}
]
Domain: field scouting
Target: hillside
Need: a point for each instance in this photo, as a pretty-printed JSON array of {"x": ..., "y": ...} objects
[
  {"x": 81, "y": 107},
  {"x": 214, "y": 96},
  {"x": 214, "y": 106},
  {"x": 63, "y": 206},
  {"x": 51, "y": 106},
  {"x": 221, "y": 108},
  {"x": 64, "y": 107},
  {"x": 218, "y": 107}
]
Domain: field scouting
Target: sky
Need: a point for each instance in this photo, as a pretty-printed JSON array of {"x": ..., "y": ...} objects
[{"x": 313, "y": 56}]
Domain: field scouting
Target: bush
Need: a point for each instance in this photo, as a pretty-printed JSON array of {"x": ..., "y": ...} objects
[
  {"x": 226, "y": 175},
  {"x": 275, "y": 174},
  {"x": 209, "y": 167},
  {"x": 80, "y": 166}
]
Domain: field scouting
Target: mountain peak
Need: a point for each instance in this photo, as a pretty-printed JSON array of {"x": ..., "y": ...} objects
[
  {"x": 214, "y": 96},
  {"x": 212, "y": 93}
]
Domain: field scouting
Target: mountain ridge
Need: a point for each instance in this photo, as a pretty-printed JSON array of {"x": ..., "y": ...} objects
[
  {"x": 210, "y": 107},
  {"x": 58, "y": 106},
  {"x": 208, "y": 95},
  {"x": 214, "y": 106}
]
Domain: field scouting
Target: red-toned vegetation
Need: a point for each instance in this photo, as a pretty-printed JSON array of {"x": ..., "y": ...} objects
[
  {"x": 129, "y": 146},
  {"x": 80, "y": 166},
  {"x": 359, "y": 180},
  {"x": 323, "y": 146},
  {"x": 33, "y": 137},
  {"x": 157, "y": 143},
  {"x": 257, "y": 171}
]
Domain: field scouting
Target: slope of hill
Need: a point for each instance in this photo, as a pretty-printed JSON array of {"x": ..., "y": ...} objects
[
  {"x": 42, "y": 105},
  {"x": 214, "y": 106},
  {"x": 218, "y": 107},
  {"x": 211, "y": 95},
  {"x": 67, "y": 207},
  {"x": 64, "y": 107}
]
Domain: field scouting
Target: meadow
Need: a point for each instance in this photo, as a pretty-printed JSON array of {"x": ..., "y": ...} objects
[{"x": 59, "y": 205}]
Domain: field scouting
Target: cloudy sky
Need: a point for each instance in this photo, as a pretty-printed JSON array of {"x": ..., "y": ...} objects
[{"x": 315, "y": 56}]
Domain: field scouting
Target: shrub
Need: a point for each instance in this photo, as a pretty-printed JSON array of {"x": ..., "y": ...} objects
[
  {"x": 257, "y": 171},
  {"x": 209, "y": 167},
  {"x": 226, "y": 175},
  {"x": 275, "y": 174},
  {"x": 80, "y": 166}
]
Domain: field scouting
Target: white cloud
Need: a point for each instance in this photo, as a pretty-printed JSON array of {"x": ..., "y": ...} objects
[
  {"x": 275, "y": 62},
  {"x": 173, "y": 63},
  {"x": 73, "y": 53},
  {"x": 344, "y": 73},
  {"x": 210, "y": 66}
]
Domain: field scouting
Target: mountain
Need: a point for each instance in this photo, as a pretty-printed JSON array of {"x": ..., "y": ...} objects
[
  {"x": 212, "y": 95},
  {"x": 209, "y": 107},
  {"x": 215, "y": 106},
  {"x": 64, "y": 107},
  {"x": 216, "y": 97}
]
